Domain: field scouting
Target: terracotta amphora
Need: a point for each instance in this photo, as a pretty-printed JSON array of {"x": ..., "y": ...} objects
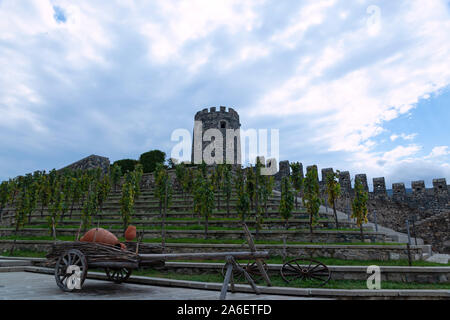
[
  {"x": 101, "y": 236},
  {"x": 130, "y": 233}
]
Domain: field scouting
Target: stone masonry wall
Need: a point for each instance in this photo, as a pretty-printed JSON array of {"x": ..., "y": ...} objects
[
  {"x": 438, "y": 227},
  {"x": 426, "y": 206},
  {"x": 91, "y": 162}
]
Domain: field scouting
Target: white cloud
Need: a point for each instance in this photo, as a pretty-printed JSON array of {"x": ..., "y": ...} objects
[
  {"x": 438, "y": 152},
  {"x": 312, "y": 14},
  {"x": 346, "y": 103},
  {"x": 403, "y": 136},
  {"x": 180, "y": 22},
  {"x": 131, "y": 70},
  {"x": 400, "y": 152}
]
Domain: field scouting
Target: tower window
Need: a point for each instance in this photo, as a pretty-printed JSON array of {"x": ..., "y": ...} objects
[{"x": 223, "y": 124}]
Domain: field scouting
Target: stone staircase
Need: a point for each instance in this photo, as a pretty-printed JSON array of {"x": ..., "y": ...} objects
[{"x": 183, "y": 225}]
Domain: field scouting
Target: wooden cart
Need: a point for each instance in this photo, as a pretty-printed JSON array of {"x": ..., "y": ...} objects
[{"x": 73, "y": 259}]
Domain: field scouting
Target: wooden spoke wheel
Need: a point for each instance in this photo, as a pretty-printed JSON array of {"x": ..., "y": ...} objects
[
  {"x": 253, "y": 270},
  {"x": 237, "y": 275},
  {"x": 71, "y": 270},
  {"x": 118, "y": 275},
  {"x": 304, "y": 270}
]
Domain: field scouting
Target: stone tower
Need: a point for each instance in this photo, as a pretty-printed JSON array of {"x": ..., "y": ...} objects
[{"x": 226, "y": 123}]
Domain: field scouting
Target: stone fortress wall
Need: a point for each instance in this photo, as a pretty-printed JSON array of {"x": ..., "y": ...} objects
[
  {"x": 90, "y": 162},
  {"x": 428, "y": 207},
  {"x": 221, "y": 119}
]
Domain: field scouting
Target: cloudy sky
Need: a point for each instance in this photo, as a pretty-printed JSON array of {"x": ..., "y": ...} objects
[{"x": 354, "y": 85}]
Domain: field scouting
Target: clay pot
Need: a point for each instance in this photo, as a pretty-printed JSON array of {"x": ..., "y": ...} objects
[
  {"x": 130, "y": 233},
  {"x": 101, "y": 236}
]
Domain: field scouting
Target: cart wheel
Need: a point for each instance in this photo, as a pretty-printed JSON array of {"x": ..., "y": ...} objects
[
  {"x": 305, "y": 269},
  {"x": 118, "y": 275},
  {"x": 71, "y": 270},
  {"x": 237, "y": 275},
  {"x": 252, "y": 269}
]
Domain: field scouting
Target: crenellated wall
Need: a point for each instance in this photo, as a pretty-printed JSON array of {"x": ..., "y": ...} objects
[{"x": 393, "y": 209}]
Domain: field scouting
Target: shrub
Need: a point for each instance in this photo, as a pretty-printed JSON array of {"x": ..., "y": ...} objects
[
  {"x": 150, "y": 159},
  {"x": 126, "y": 165}
]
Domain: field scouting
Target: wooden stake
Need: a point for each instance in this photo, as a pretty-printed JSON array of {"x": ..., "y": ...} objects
[{"x": 259, "y": 262}]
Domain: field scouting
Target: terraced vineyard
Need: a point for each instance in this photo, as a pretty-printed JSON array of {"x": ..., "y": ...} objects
[{"x": 185, "y": 230}]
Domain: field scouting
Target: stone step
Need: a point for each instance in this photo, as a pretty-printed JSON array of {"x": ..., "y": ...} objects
[
  {"x": 14, "y": 263},
  {"x": 273, "y": 224}
]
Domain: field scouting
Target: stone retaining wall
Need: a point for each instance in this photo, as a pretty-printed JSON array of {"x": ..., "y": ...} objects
[
  {"x": 348, "y": 252},
  {"x": 396, "y": 274},
  {"x": 319, "y": 236}
]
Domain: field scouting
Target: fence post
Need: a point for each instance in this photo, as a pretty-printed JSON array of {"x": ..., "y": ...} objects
[
  {"x": 408, "y": 245},
  {"x": 375, "y": 218}
]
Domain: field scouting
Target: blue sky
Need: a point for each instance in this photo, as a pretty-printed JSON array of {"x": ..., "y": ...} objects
[{"x": 359, "y": 85}]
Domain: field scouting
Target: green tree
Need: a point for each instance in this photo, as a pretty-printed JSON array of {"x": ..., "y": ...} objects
[
  {"x": 103, "y": 189},
  {"x": 311, "y": 197},
  {"x": 266, "y": 190},
  {"x": 126, "y": 165},
  {"x": 163, "y": 191},
  {"x": 243, "y": 203},
  {"x": 20, "y": 214},
  {"x": 55, "y": 207},
  {"x": 89, "y": 209},
  {"x": 67, "y": 190},
  {"x": 333, "y": 190},
  {"x": 4, "y": 197},
  {"x": 217, "y": 181},
  {"x": 250, "y": 186},
  {"x": 287, "y": 201},
  {"x": 204, "y": 196},
  {"x": 151, "y": 159},
  {"x": 127, "y": 203},
  {"x": 188, "y": 183},
  {"x": 13, "y": 189},
  {"x": 44, "y": 192},
  {"x": 297, "y": 180},
  {"x": 115, "y": 175},
  {"x": 162, "y": 185},
  {"x": 137, "y": 178},
  {"x": 286, "y": 207},
  {"x": 258, "y": 185},
  {"x": 203, "y": 168},
  {"x": 77, "y": 192},
  {"x": 34, "y": 193},
  {"x": 359, "y": 206},
  {"x": 196, "y": 193},
  {"x": 227, "y": 185},
  {"x": 181, "y": 172}
]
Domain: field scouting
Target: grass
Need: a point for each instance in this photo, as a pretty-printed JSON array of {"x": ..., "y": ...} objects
[
  {"x": 277, "y": 281},
  {"x": 24, "y": 253},
  {"x": 341, "y": 262},
  {"x": 272, "y": 260},
  {"x": 190, "y": 219},
  {"x": 203, "y": 241},
  {"x": 193, "y": 227}
]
